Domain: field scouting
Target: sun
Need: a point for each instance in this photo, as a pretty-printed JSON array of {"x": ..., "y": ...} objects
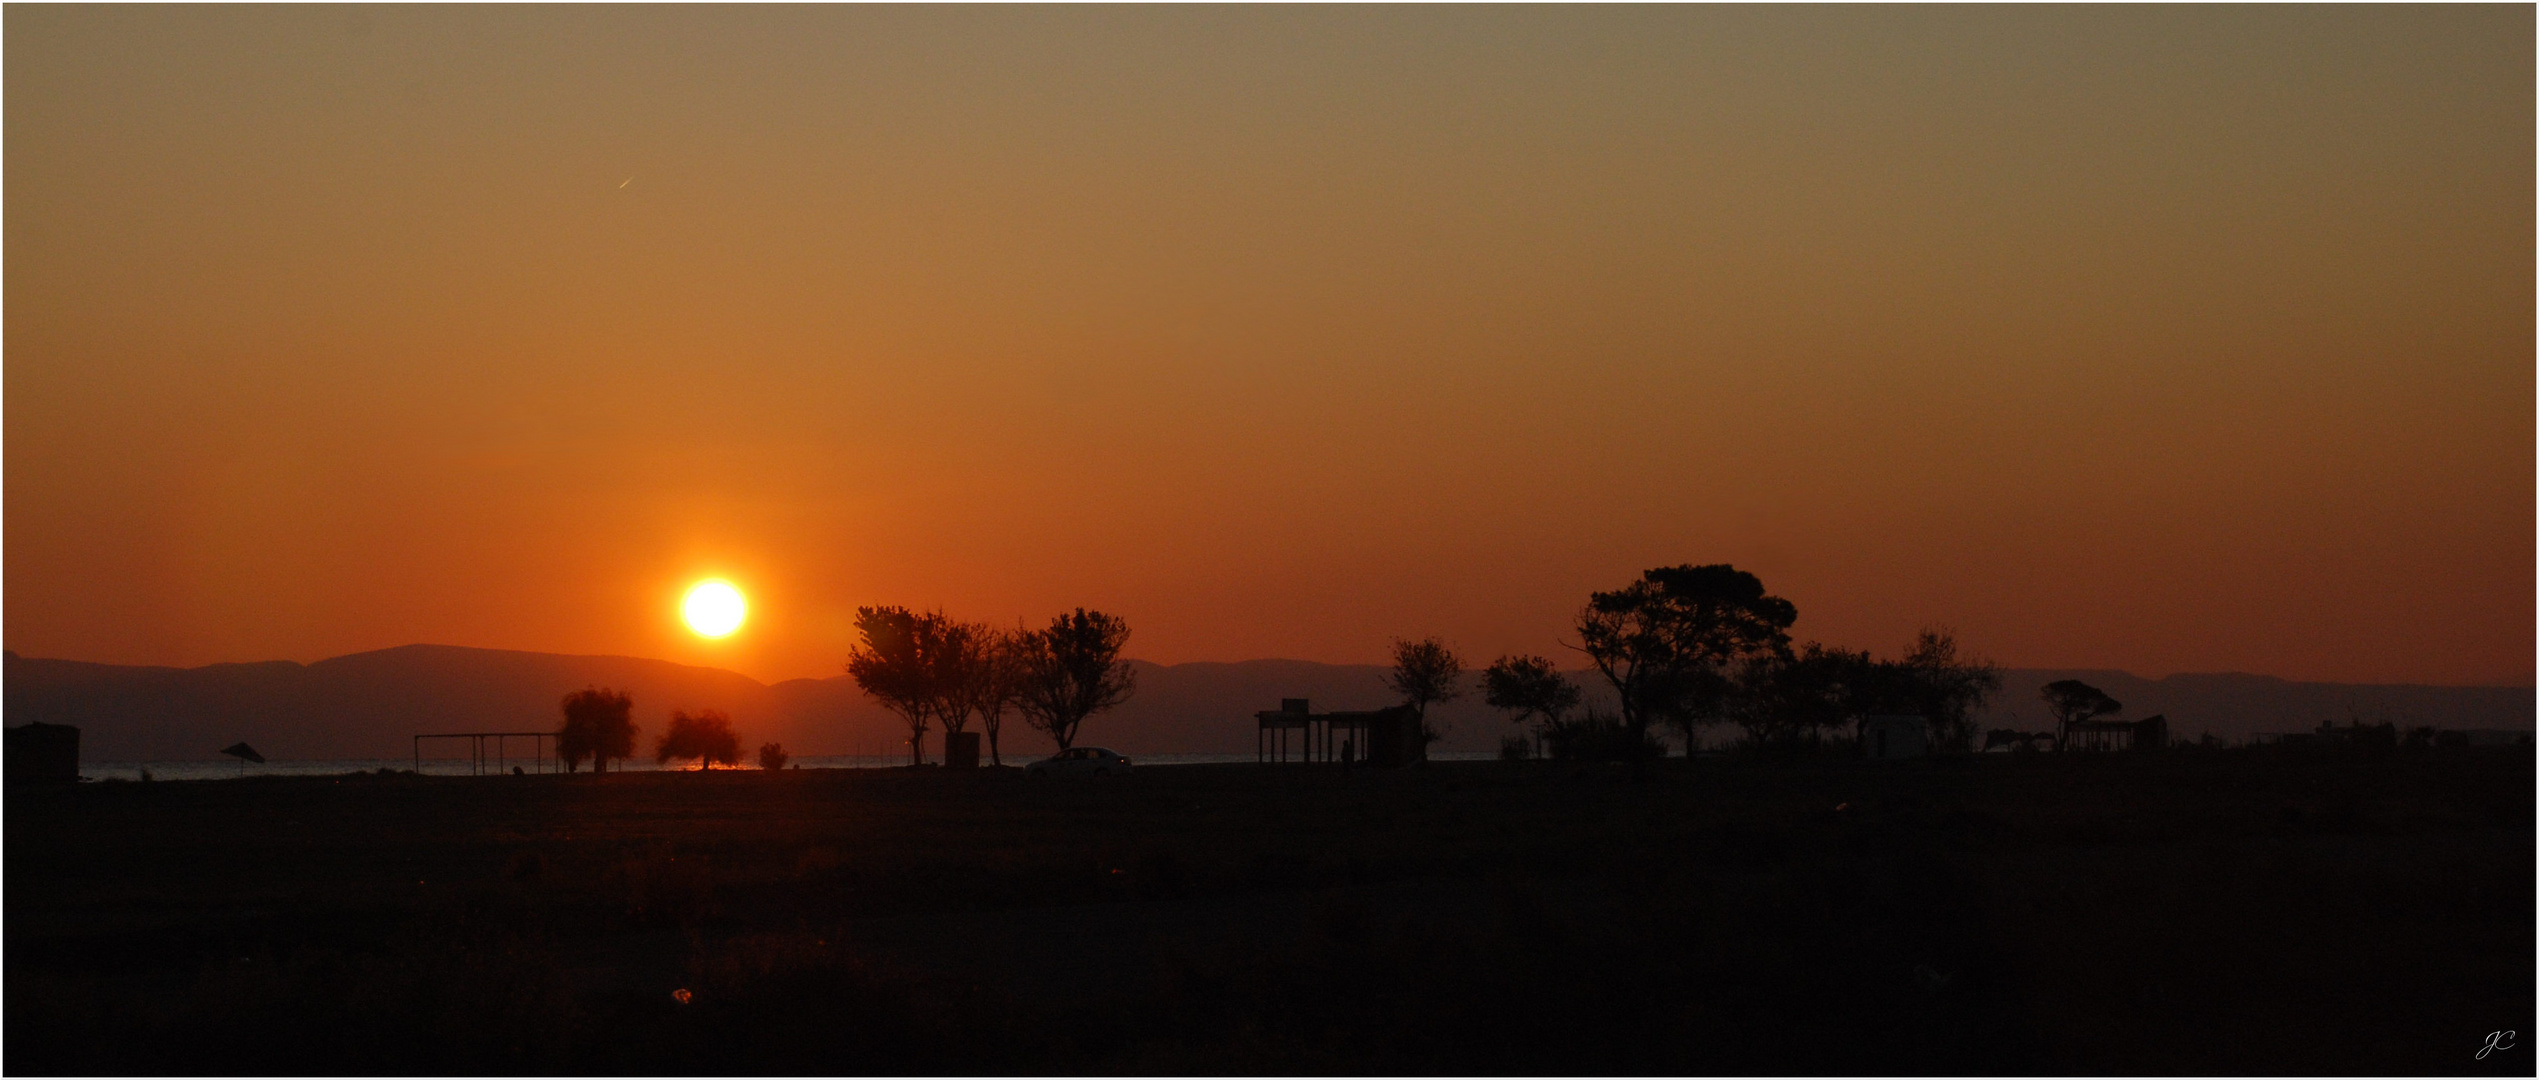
[{"x": 714, "y": 608}]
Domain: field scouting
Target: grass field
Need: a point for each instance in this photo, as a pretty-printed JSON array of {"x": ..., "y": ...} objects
[{"x": 2234, "y": 911}]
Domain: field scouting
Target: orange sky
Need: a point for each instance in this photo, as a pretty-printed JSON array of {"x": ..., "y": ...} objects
[{"x": 2161, "y": 339}]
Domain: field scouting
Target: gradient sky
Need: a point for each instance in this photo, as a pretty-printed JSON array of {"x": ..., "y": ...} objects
[{"x": 2166, "y": 339}]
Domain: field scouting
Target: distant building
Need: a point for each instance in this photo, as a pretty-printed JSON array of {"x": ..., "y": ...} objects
[
  {"x": 1380, "y": 737},
  {"x": 1888, "y": 738},
  {"x": 1290, "y": 726},
  {"x": 2148, "y": 733},
  {"x": 42, "y": 754}
]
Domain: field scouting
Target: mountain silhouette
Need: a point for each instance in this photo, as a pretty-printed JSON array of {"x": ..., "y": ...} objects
[{"x": 370, "y": 704}]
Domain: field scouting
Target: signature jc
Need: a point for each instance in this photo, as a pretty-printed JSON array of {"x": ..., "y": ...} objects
[{"x": 2500, "y": 1040}]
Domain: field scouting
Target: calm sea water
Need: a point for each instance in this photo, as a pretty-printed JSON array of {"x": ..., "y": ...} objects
[{"x": 231, "y": 770}]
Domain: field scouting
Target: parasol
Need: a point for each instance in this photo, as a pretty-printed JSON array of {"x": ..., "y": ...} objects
[{"x": 244, "y": 753}]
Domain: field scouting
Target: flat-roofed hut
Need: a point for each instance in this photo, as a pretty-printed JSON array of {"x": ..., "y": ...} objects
[{"x": 1381, "y": 737}]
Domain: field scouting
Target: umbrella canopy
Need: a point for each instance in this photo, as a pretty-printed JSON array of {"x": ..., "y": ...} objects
[{"x": 244, "y": 752}]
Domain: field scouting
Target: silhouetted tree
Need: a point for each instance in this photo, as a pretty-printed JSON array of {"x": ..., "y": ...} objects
[
  {"x": 1529, "y": 688},
  {"x": 1946, "y": 688},
  {"x": 955, "y": 663},
  {"x": 1425, "y": 672},
  {"x": 1670, "y": 641},
  {"x": 1793, "y": 700},
  {"x": 705, "y": 737},
  {"x": 772, "y": 757},
  {"x": 993, "y": 683},
  {"x": 1073, "y": 670},
  {"x": 598, "y": 725},
  {"x": 895, "y": 665},
  {"x": 2072, "y": 702},
  {"x": 1595, "y": 736}
]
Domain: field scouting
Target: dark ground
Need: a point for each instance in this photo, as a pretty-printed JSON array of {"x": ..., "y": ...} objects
[{"x": 2230, "y": 912}]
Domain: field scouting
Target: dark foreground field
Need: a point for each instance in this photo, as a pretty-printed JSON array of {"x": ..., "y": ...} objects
[{"x": 2217, "y": 912}]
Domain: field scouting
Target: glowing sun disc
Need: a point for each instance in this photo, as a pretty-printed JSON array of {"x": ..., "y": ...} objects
[{"x": 714, "y": 608}]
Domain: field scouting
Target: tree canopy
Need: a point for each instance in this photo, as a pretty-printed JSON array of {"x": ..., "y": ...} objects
[
  {"x": 991, "y": 681},
  {"x": 1801, "y": 697},
  {"x": 598, "y": 726},
  {"x": 2073, "y": 702},
  {"x": 1946, "y": 687},
  {"x": 958, "y": 658},
  {"x": 1425, "y": 672},
  {"x": 1071, "y": 671},
  {"x": 896, "y": 665},
  {"x": 705, "y": 737},
  {"x": 1668, "y": 642},
  {"x": 1528, "y": 688}
]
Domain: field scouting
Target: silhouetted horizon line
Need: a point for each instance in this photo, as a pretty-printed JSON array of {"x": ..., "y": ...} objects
[{"x": 1585, "y": 668}]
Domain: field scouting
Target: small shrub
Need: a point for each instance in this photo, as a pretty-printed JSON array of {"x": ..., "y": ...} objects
[
  {"x": 772, "y": 757},
  {"x": 1597, "y": 737},
  {"x": 1515, "y": 748}
]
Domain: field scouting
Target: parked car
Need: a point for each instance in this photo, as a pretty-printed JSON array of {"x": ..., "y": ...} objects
[{"x": 1080, "y": 761}]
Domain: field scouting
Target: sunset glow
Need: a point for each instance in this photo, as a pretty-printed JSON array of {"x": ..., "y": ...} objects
[
  {"x": 714, "y": 609},
  {"x": 1989, "y": 501},
  {"x": 1280, "y": 328}
]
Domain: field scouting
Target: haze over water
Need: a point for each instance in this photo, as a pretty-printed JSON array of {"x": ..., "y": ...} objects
[{"x": 2156, "y": 339}]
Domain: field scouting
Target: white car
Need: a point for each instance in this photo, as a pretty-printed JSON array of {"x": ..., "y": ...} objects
[{"x": 1080, "y": 761}]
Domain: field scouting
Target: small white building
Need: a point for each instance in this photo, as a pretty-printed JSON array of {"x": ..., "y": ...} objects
[{"x": 1886, "y": 738}]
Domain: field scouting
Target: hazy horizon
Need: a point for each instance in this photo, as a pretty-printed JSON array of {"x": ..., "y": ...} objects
[
  {"x": 1574, "y": 665},
  {"x": 2147, "y": 339}
]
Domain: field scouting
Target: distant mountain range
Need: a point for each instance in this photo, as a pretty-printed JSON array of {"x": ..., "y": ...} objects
[{"x": 369, "y": 705}]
